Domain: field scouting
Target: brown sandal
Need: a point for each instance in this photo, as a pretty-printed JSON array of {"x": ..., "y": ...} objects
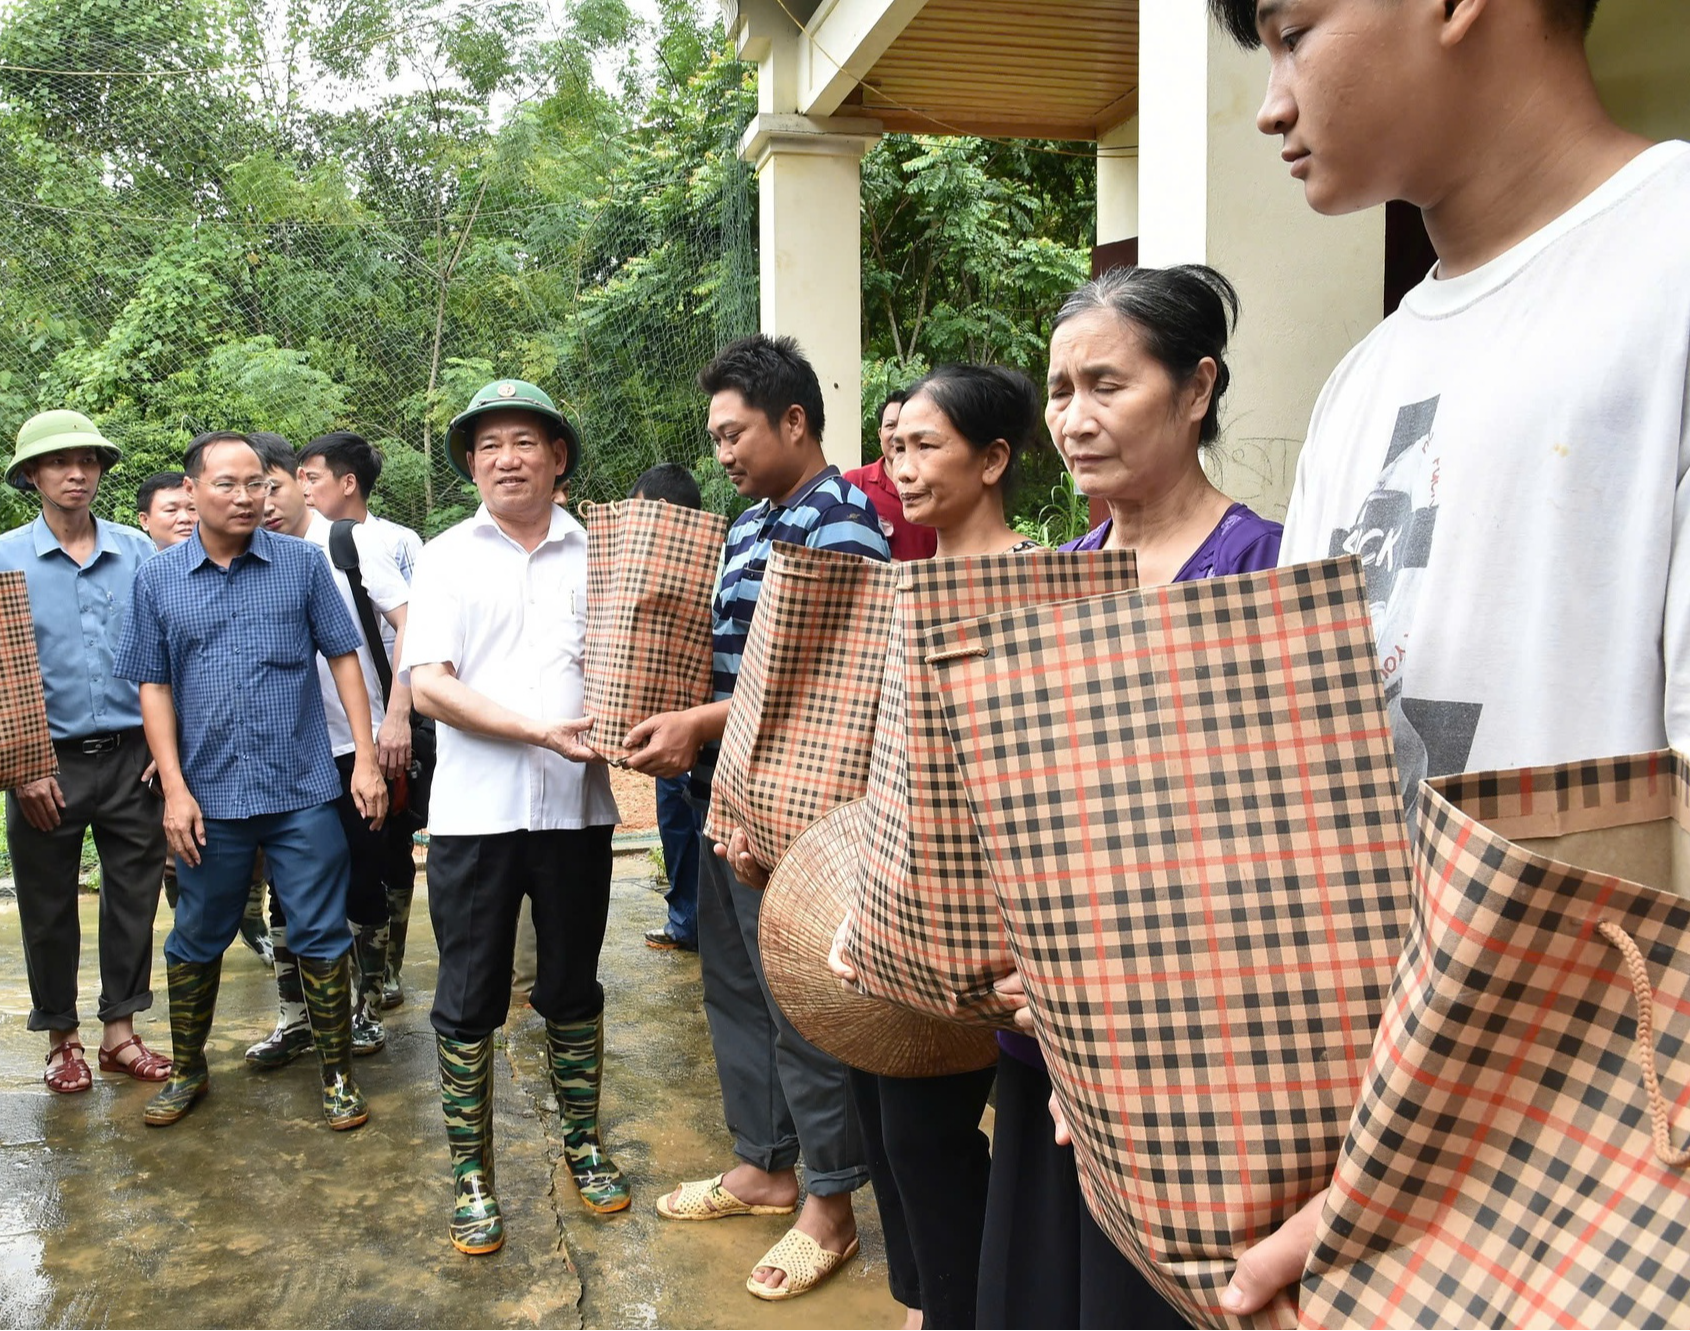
[
  {"x": 70, "y": 1076},
  {"x": 146, "y": 1066}
]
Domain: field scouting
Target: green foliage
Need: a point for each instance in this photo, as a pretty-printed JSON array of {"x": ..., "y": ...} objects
[
  {"x": 297, "y": 216},
  {"x": 1065, "y": 516}
]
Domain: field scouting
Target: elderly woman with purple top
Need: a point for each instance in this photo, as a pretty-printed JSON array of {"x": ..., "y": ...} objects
[{"x": 1137, "y": 371}]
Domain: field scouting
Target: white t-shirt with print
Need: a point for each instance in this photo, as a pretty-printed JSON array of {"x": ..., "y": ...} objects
[
  {"x": 387, "y": 591},
  {"x": 1507, "y": 454}
]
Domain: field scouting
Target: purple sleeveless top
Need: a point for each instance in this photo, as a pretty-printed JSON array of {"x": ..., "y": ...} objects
[{"x": 1242, "y": 542}]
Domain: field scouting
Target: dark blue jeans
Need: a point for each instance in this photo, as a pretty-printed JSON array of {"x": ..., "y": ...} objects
[{"x": 678, "y": 829}]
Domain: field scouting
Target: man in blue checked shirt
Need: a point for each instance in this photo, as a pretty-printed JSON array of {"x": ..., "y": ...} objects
[
  {"x": 222, "y": 637},
  {"x": 782, "y": 1096}
]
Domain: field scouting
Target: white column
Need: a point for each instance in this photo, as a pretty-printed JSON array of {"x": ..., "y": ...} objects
[
  {"x": 1214, "y": 190},
  {"x": 1117, "y": 183},
  {"x": 809, "y": 177}
]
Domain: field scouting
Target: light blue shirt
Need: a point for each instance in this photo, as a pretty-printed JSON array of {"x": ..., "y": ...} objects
[{"x": 79, "y": 614}]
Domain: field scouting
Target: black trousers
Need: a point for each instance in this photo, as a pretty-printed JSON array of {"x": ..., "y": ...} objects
[
  {"x": 475, "y": 890},
  {"x": 102, "y": 791},
  {"x": 1044, "y": 1262},
  {"x": 366, "y": 896},
  {"x": 930, "y": 1163}
]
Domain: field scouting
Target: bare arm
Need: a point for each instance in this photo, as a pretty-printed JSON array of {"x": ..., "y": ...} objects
[
  {"x": 393, "y": 740},
  {"x": 184, "y": 826},
  {"x": 668, "y": 744},
  {"x": 437, "y": 691},
  {"x": 369, "y": 791}
]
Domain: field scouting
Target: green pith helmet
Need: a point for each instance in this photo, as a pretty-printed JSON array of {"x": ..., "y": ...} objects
[
  {"x": 57, "y": 432},
  {"x": 508, "y": 395}
]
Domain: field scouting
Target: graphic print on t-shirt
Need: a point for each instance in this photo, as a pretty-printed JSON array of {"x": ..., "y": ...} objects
[{"x": 1392, "y": 536}]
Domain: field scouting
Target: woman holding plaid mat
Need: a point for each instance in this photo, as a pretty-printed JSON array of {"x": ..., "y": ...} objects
[
  {"x": 952, "y": 458},
  {"x": 1137, "y": 370}
]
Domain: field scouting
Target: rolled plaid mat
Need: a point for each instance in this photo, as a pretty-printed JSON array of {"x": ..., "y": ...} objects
[
  {"x": 651, "y": 568},
  {"x": 26, "y": 744},
  {"x": 1517, "y": 1156},
  {"x": 801, "y": 725},
  {"x": 1190, "y": 811},
  {"x": 927, "y": 932}
]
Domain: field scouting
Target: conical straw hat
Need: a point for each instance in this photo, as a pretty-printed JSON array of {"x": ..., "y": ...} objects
[{"x": 807, "y": 898}]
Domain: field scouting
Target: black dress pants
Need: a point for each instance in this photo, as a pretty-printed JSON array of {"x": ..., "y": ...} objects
[
  {"x": 1044, "y": 1262},
  {"x": 102, "y": 790},
  {"x": 929, "y": 1162},
  {"x": 475, "y": 890}
]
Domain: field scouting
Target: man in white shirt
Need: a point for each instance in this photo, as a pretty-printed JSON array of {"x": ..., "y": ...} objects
[
  {"x": 286, "y": 514},
  {"x": 338, "y": 472},
  {"x": 1507, "y": 452},
  {"x": 521, "y": 807}
]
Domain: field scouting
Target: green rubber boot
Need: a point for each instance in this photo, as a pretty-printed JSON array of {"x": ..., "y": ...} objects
[
  {"x": 292, "y": 1036},
  {"x": 577, "y": 1051},
  {"x": 253, "y": 932},
  {"x": 466, "y": 1100},
  {"x": 398, "y": 930},
  {"x": 369, "y": 974},
  {"x": 328, "y": 1003},
  {"x": 193, "y": 998}
]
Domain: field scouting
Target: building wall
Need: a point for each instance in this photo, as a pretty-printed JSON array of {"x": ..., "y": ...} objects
[{"x": 1640, "y": 51}]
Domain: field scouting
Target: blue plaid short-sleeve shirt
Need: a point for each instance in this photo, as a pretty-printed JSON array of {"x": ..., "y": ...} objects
[{"x": 238, "y": 647}]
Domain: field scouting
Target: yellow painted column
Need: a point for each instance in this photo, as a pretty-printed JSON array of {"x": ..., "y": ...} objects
[
  {"x": 1212, "y": 189},
  {"x": 809, "y": 179},
  {"x": 1117, "y": 183}
]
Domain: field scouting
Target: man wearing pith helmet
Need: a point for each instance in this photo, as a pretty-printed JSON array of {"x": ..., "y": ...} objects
[
  {"x": 521, "y": 806},
  {"x": 79, "y": 570}
]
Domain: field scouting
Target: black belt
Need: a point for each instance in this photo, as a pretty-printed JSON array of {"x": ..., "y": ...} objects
[{"x": 92, "y": 745}]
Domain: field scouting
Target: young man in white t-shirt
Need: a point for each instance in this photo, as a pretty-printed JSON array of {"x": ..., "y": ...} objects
[
  {"x": 338, "y": 472},
  {"x": 286, "y": 514},
  {"x": 1506, "y": 452}
]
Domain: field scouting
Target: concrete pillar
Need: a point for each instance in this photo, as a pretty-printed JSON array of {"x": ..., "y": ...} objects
[
  {"x": 809, "y": 181},
  {"x": 1213, "y": 190},
  {"x": 1117, "y": 183}
]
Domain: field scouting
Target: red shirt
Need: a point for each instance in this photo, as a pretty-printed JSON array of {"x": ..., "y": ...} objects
[{"x": 908, "y": 541}]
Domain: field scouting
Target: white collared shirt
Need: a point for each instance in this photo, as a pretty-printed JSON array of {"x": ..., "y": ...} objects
[{"x": 513, "y": 626}]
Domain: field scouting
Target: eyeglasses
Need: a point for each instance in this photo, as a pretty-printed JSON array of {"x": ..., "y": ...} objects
[{"x": 257, "y": 489}]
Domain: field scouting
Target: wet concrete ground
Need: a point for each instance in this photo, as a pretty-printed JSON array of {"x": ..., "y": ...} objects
[{"x": 250, "y": 1212}]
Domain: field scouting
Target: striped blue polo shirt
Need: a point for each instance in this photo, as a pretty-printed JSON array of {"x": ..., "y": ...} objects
[{"x": 829, "y": 513}]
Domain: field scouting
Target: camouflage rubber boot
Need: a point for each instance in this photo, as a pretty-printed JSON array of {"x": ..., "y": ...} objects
[
  {"x": 399, "y": 928},
  {"x": 369, "y": 973},
  {"x": 577, "y": 1051},
  {"x": 253, "y": 932},
  {"x": 328, "y": 1003},
  {"x": 193, "y": 998},
  {"x": 292, "y": 1036},
  {"x": 466, "y": 1100}
]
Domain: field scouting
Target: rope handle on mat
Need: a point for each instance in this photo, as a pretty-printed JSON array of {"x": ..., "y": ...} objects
[{"x": 1659, "y": 1113}]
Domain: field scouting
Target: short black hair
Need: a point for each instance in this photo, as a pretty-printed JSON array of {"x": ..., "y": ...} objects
[
  {"x": 670, "y": 482},
  {"x": 273, "y": 451},
  {"x": 344, "y": 452},
  {"x": 193, "y": 460},
  {"x": 1238, "y": 17},
  {"x": 898, "y": 395},
  {"x": 159, "y": 480},
  {"x": 985, "y": 403},
  {"x": 1183, "y": 314},
  {"x": 771, "y": 374}
]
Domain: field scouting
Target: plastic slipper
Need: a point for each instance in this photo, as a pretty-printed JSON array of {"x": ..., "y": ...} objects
[
  {"x": 71, "y": 1076},
  {"x": 707, "y": 1199},
  {"x": 147, "y": 1066},
  {"x": 805, "y": 1262}
]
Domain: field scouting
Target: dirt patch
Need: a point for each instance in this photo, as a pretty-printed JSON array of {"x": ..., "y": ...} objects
[{"x": 636, "y": 797}]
